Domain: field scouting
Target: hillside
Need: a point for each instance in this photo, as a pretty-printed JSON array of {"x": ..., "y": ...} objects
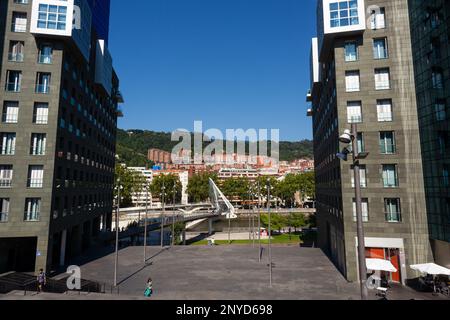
[{"x": 132, "y": 146}]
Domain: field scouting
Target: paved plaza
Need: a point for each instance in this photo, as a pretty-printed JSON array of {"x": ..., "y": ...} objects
[{"x": 222, "y": 273}]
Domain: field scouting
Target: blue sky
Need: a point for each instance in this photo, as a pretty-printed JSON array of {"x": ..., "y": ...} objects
[{"x": 230, "y": 63}]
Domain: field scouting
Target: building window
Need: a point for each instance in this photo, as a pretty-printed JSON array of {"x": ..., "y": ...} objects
[
  {"x": 4, "y": 209},
  {"x": 38, "y": 144},
  {"x": 387, "y": 142},
  {"x": 380, "y": 48},
  {"x": 52, "y": 17},
  {"x": 384, "y": 110},
  {"x": 362, "y": 174},
  {"x": 439, "y": 110},
  {"x": 382, "y": 79},
  {"x": 378, "y": 19},
  {"x": 365, "y": 210},
  {"x": 437, "y": 78},
  {"x": 445, "y": 176},
  {"x": 392, "y": 210},
  {"x": 354, "y": 112},
  {"x": 15, "y": 53},
  {"x": 6, "y": 176},
  {"x": 7, "y": 144},
  {"x": 32, "y": 209},
  {"x": 352, "y": 83},
  {"x": 390, "y": 178},
  {"x": 13, "y": 81},
  {"x": 344, "y": 13},
  {"x": 40, "y": 113},
  {"x": 45, "y": 54},
  {"x": 351, "y": 51},
  {"x": 35, "y": 177},
  {"x": 10, "y": 112},
  {"x": 43, "y": 82},
  {"x": 19, "y": 22}
]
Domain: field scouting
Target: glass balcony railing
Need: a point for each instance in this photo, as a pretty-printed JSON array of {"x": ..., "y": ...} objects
[
  {"x": 3, "y": 217},
  {"x": 45, "y": 59},
  {"x": 43, "y": 88},
  {"x": 5, "y": 183},
  {"x": 393, "y": 217},
  {"x": 13, "y": 87},
  {"x": 15, "y": 57}
]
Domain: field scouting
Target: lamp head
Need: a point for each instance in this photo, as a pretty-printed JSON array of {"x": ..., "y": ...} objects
[
  {"x": 346, "y": 137},
  {"x": 343, "y": 155}
]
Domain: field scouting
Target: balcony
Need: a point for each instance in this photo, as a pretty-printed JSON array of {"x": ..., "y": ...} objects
[
  {"x": 12, "y": 87},
  {"x": 15, "y": 57},
  {"x": 43, "y": 88},
  {"x": 18, "y": 27},
  {"x": 393, "y": 217},
  {"x": 5, "y": 183},
  {"x": 45, "y": 59},
  {"x": 309, "y": 113},
  {"x": 35, "y": 183}
]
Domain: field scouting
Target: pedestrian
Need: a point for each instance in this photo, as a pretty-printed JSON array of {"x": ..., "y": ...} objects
[
  {"x": 149, "y": 289},
  {"x": 41, "y": 280}
]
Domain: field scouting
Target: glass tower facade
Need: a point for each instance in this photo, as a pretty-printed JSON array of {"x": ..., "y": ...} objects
[
  {"x": 430, "y": 22},
  {"x": 100, "y": 17}
]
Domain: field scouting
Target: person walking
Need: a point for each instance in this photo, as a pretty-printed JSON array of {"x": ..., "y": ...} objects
[
  {"x": 41, "y": 280},
  {"x": 149, "y": 289}
]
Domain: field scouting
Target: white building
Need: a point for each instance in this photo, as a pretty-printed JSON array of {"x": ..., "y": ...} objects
[{"x": 139, "y": 198}]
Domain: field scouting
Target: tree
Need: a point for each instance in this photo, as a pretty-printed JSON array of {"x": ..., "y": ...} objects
[
  {"x": 169, "y": 181},
  {"x": 277, "y": 221},
  {"x": 296, "y": 221},
  {"x": 235, "y": 188},
  {"x": 198, "y": 187},
  {"x": 126, "y": 184}
]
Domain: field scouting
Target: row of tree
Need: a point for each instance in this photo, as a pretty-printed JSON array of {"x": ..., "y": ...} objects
[
  {"x": 235, "y": 189},
  {"x": 133, "y": 182},
  {"x": 243, "y": 189},
  {"x": 294, "y": 220}
]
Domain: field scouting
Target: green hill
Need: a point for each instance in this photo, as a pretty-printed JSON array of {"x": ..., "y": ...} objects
[{"x": 132, "y": 146}]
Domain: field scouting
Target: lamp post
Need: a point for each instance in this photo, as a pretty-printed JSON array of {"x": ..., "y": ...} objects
[
  {"x": 270, "y": 233},
  {"x": 116, "y": 260},
  {"x": 352, "y": 138},
  {"x": 259, "y": 221},
  {"x": 173, "y": 214},
  {"x": 163, "y": 212},
  {"x": 145, "y": 224}
]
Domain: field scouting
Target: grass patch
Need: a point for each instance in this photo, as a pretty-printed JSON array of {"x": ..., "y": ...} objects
[{"x": 294, "y": 239}]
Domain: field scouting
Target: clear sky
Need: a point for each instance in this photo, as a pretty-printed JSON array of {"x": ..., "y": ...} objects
[{"x": 230, "y": 63}]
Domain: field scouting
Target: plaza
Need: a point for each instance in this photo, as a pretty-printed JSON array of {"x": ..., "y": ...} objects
[{"x": 221, "y": 273}]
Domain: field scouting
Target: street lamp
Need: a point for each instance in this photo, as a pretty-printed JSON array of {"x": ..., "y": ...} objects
[
  {"x": 259, "y": 220},
  {"x": 270, "y": 232},
  {"x": 351, "y": 137},
  {"x": 116, "y": 260},
  {"x": 145, "y": 223},
  {"x": 163, "y": 212},
  {"x": 173, "y": 214}
]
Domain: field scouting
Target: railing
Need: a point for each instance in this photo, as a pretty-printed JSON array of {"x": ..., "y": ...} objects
[
  {"x": 35, "y": 183},
  {"x": 12, "y": 87},
  {"x": 5, "y": 183},
  {"x": 45, "y": 59},
  {"x": 15, "y": 57},
  {"x": 393, "y": 217},
  {"x": 18, "y": 27},
  {"x": 4, "y": 217},
  {"x": 42, "y": 88}
]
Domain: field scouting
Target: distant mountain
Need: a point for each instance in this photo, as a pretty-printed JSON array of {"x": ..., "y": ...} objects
[{"x": 132, "y": 146}]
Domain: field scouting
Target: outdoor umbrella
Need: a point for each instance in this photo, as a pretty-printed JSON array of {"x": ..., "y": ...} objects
[
  {"x": 380, "y": 265},
  {"x": 432, "y": 269}
]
